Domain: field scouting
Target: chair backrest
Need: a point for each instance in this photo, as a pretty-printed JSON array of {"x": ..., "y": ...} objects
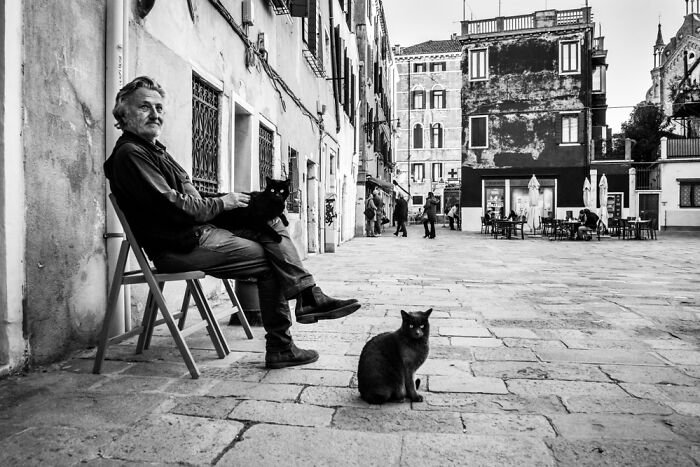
[{"x": 135, "y": 247}]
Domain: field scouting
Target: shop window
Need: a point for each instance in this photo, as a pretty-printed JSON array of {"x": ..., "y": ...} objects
[
  {"x": 418, "y": 136},
  {"x": 437, "y": 99},
  {"x": 436, "y": 136},
  {"x": 478, "y": 64},
  {"x": 690, "y": 194},
  {"x": 417, "y": 172},
  {"x": 569, "y": 61},
  {"x": 478, "y": 132}
]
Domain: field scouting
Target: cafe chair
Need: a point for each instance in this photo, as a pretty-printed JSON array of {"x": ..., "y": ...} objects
[
  {"x": 485, "y": 225},
  {"x": 155, "y": 302}
]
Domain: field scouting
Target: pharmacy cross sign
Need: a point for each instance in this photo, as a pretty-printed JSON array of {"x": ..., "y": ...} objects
[{"x": 452, "y": 173}]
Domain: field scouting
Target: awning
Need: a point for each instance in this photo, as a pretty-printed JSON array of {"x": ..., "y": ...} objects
[{"x": 383, "y": 184}]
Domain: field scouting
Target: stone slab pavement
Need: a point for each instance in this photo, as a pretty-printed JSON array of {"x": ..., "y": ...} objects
[{"x": 542, "y": 353}]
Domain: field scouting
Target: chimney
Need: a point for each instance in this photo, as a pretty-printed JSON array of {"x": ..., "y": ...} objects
[
  {"x": 397, "y": 49},
  {"x": 453, "y": 36}
]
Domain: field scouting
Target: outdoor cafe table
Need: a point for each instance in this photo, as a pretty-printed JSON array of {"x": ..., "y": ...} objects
[
  {"x": 572, "y": 225},
  {"x": 636, "y": 226},
  {"x": 508, "y": 226}
]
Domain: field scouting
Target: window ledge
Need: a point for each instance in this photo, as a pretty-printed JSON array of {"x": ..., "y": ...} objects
[
  {"x": 567, "y": 73},
  {"x": 569, "y": 144}
]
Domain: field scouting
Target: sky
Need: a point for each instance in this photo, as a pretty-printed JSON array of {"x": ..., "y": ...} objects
[{"x": 629, "y": 28}]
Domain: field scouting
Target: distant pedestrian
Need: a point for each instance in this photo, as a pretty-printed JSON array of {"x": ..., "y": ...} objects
[
  {"x": 370, "y": 215},
  {"x": 379, "y": 203},
  {"x": 429, "y": 214},
  {"x": 401, "y": 216},
  {"x": 453, "y": 215}
]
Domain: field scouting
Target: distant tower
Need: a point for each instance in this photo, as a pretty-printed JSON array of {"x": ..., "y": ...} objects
[{"x": 659, "y": 48}]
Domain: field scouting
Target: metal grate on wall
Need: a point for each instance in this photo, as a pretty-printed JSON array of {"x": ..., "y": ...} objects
[
  {"x": 266, "y": 153},
  {"x": 294, "y": 199},
  {"x": 205, "y": 136}
]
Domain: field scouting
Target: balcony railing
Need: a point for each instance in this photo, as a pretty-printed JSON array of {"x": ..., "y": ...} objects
[{"x": 540, "y": 19}]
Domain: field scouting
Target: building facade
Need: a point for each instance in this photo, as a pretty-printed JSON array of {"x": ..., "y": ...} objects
[
  {"x": 533, "y": 103},
  {"x": 376, "y": 125},
  {"x": 428, "y": 153},
  {"x": 254, "y": 88},
  {"x": 675, "y": 195}
]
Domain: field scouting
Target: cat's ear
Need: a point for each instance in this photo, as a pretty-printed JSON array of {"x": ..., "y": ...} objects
[
  {"x": 427, "y": 312},
  {"x": 404, "y": 315},
  {"x": 268, "y": 180}
]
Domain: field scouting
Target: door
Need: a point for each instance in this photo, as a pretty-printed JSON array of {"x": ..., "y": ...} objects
[{"x": 649, "y": 207}]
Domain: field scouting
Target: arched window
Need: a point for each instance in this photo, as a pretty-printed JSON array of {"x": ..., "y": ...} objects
[
  {"x": 418, "y": 136},
  {"x": 436, "y": 135}
]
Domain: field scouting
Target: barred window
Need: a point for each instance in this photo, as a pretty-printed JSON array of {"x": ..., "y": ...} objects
[
  {"x": 205, "y": 136},
  {"x": 294, "y": 200},
  {"x": 266, "y": 150}
]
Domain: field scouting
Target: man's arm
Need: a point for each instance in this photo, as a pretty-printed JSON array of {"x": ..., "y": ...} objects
[{"x": 135, "y": 175}]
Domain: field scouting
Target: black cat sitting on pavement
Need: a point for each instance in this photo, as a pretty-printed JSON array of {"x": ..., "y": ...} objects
[
  {"x": 263, "y": 207},
  {"x": 389, "y": 361}
]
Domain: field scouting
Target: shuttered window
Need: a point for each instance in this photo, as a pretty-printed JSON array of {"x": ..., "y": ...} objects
[
  {"x": 418, "y": 136},
  {"x": 569, "y": 61},
  {"x": 569, "y": 128},
  {"x": 478, "y": 132},
  {"x": 436, "y": 136},
  {"x": 478, "y": 64}
]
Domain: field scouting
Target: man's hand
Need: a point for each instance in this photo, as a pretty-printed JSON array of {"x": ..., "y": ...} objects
[{"x": 235, "y": 200}]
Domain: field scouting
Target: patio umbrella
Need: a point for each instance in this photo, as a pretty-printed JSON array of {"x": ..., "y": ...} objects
[
  {"x": 533, "y": 218},
  {"x": 604, "y": 200},
  {"x": 587, "y": 198}
]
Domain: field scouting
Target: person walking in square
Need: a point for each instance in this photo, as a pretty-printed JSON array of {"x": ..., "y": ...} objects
[
  {"x": 453, "y": 215},
  {"x": 430, "y": 214},
  {"x": 401, "y": 216}
]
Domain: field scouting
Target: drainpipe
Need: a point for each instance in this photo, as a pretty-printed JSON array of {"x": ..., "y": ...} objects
[{"x": 117, "y": 28}]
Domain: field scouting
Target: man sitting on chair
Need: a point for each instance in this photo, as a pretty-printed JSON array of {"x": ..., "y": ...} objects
[
  {"x": 589, "y": 223},
  {"x": 173, "y": 223}
]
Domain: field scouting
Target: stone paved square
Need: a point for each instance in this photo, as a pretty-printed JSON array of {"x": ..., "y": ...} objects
[{"x": 542, "y": 353}]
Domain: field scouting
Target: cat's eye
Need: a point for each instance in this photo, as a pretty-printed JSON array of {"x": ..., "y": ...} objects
[
  {"x": 410, "y": 326},
  {"x": 422, "y": 326}
]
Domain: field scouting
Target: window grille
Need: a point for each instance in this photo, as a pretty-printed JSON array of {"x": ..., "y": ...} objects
[
  {"x": 205, "y": 136},
  {"x": 266, "y": 149},
  {"x": 294, "y": 200}
]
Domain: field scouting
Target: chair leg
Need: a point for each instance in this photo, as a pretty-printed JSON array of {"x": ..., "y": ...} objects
[
  {"x": 149, "y": 314},
  {"x": 183, "y": 309},
  {"x": 111, "y": 306},
  {"x": 153, "y": 318},
  {"x": 241, "y": 315},
  {"x": 215, "y": 333},
  {"x": 172, "y": 326}
]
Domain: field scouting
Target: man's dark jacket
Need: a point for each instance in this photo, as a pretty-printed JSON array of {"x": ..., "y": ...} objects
[
  {"x": 162, "y": 206},
  {"x": 401, "y": 210}
]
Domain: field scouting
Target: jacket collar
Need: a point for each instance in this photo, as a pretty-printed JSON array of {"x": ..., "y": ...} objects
[{"x": 133, "y": 137}]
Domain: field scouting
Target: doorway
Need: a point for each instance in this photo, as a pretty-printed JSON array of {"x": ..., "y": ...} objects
[{"x": 649, "y": 208}]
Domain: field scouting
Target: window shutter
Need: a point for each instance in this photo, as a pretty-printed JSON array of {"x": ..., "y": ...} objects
[
  {"x": 299, "y": 8},
  {"x": 313, "y": 27},
  {"x": 424, "y": 99},
  {"x": 581, "y": 129},
  {"x": 352, "y": 98},
  {"x": 444, "y": 99},
  {"x": 346, "y": 83},
  {"x": 440, "y": 137}
]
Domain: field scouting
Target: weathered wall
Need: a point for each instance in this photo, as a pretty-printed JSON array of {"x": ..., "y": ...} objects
[
  {"x": 63, "y": 137},
  {"x": 523, "y": 97}
]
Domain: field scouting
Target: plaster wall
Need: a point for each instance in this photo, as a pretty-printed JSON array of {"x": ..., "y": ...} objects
[
  {"x": 63, "y": 146},
  {"x": 671, "y": 214}
]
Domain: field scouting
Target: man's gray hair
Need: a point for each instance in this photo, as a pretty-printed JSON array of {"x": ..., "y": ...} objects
[{"x": 144, "y": 82}]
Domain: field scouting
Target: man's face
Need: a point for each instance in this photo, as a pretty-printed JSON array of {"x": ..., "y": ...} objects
[{"x": 144, "y": 113}]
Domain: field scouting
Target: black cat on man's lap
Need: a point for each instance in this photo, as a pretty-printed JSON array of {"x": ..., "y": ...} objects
[{"x": 263, "y": 207}]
